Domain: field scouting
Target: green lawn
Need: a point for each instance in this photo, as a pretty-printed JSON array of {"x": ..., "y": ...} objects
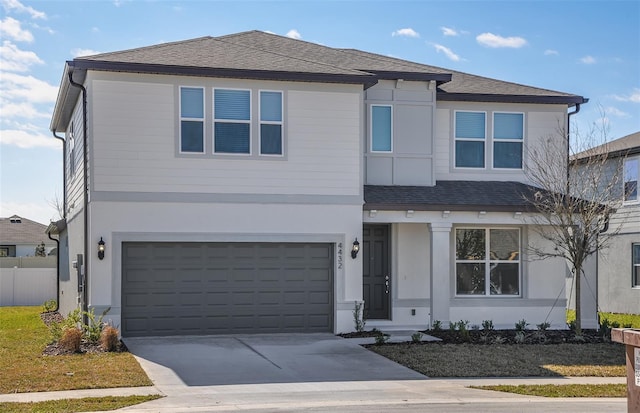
[
  {"x": 622, "y": 319},
  {"x": 23, "y": 337},
  {"x": 88, "y": 404},
  {"x": 564, "y": 390}
]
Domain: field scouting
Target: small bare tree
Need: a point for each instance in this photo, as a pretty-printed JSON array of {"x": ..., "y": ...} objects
[{"x": 576, "y": 198}]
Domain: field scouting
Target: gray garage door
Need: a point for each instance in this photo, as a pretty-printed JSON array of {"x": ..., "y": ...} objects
[{"x": 226, "y": 288}]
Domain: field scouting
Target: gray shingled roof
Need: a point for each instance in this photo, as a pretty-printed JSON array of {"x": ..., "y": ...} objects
[
  {"x": 18, "y": 230},
  {"x": 256, "y": 51},
  {"x": 452, "y": 196},
  {"x": 627, "y": 145}
]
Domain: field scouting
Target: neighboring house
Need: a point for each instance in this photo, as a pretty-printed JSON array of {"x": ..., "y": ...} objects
[
  {"x": 618, "y": 271},
  {"x": 231, "y": 179},
  {"x": 19, "y": 237}
]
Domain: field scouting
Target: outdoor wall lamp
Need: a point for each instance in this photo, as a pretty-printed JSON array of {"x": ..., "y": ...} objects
[
  {"x": 101, "y": 249},
  {"x": 355, "y": 249}
]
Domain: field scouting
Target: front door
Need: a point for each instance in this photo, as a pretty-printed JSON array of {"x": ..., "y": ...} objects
[{"x": 376, "y": 272}]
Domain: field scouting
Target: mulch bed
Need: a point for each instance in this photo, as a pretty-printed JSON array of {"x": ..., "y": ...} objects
[
  {"x": 509, "y": 337},
  {"x": 54, "y": 349}
]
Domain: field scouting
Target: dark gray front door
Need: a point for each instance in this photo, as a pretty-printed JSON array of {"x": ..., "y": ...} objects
[
  {"x": 376, "y": 271},
  {"x": 187, "y": 288}
]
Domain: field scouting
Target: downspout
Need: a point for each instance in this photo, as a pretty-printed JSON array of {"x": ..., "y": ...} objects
[
  {"x": 85, "y": 187},
  {"x": 569, "y": 141},
  {"x": 64, "y": 215}
]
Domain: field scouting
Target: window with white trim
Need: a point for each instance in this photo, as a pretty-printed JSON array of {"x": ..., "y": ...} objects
[
  {"x": 271, "y": 123},
  {"x": 508, "y": 134},
  {"x": 635, "y": 265},
  {"x": 381, "y": 128},
  {"x": 631, "y": 174},
  {"x": 470, "y": 133},
  {"x": 232, "y": 121},
  {"x": 192, "y": 120},
  {"x": 488, "y": 262}
]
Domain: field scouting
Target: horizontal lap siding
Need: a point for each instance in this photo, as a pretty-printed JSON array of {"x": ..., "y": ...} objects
[{"x": 135, "y": 146}]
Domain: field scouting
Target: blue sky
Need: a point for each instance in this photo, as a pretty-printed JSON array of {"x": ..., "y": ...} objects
[{"x": 589, "y": 48}]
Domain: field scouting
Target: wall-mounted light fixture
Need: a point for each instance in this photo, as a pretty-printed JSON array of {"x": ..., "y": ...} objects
[
  {"x": 355, "y": 249},
  {"x": 101, "y": 249}
]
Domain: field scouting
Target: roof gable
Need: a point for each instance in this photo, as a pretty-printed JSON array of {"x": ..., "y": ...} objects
[{"x": 18, "y": 230}]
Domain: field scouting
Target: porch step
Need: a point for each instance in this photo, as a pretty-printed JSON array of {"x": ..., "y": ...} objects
[{"x": 395, "y": 336}]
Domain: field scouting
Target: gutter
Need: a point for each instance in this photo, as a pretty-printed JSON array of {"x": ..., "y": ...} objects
[
  {"x": 64, "y": 215},
  {"x": 85, "y": 188}
]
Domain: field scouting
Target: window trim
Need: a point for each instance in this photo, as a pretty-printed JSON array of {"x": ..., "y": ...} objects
[
  {"x": 483, "y": 140},
  {"x": 487, "y": 263},
  {"x": 371, "y": 106},
  {"x": 215, "y": 119},
  {"x": 624, "y": 181},
  {"x": 494, "y": 140},
  {"x": 635, "y": 282},
  {"x": 188, "y": 119},
  {"x": 261, "y": 122}
]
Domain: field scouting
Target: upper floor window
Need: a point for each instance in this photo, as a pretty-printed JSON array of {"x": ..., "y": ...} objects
[
  {"x": 270, "y": 123},
  {"x": 488, "y": 261},
  {"x": 470, "y": 131},
  {"x": 635, "y": 265},
  {"x": 191, "y": 120},
  {"x": 631, "y": 173},
  {"x": 232, "y": 121},
  {"x": 508, "y": 133},
  {"x": 381, "y": 128},
  {"x": 72, "y": 150}
]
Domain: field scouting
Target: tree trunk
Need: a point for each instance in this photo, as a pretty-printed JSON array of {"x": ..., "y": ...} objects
[{"x": 577, "y": 272}]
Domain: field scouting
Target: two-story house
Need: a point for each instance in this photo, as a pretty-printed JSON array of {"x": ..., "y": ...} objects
[
  {"x": 618, "y": 265},
  {"x": 256, "y": 183}
]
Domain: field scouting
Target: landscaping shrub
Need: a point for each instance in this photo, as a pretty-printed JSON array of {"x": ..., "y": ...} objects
[
  {"x": 71, "y": 339},
  {"x": 109, "y": 338}
]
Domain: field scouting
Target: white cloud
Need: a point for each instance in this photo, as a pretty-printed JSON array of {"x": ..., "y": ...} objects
[
  {"x": 408, "y": 32},
  {"x": 633, "y": 97},
  {"x": 24, "y": 110},
  {"x": 11, "y": 28},
  {"x": 27, "y": 139},
  {"x": 294, "y": 34},
  {"x": 27, "y": 88},
  {"x": 447, "y": 52},
  {"x": 496, "y": 41},
  {"x": 83, "y": 52},
  {"x": 588, "y": 60},
  {"x": 15, "y": 5},
  {"x": 16, "y": 60},
  {"x": 551, "y": 52},
  {"x": 611, "y": 110},
  {"x": 448, "y": 31}
]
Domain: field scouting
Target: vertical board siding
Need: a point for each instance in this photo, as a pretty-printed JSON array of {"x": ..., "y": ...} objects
[{"x": 134, "y": 132}]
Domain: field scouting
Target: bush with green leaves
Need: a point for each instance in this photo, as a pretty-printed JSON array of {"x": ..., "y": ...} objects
[
  {"x": 49, "y": 306},
  {"x": 416, "y": 337},
  {"x": 358, "y": 316},
  {"x": 436, "y": 325},
  {"x": 521, "y": 325}
]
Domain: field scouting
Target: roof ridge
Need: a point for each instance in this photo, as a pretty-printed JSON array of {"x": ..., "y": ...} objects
[{"x": 292, "y": 57}]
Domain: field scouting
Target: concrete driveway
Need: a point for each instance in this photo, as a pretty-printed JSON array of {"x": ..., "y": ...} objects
[{"x": 257, "y": 359}]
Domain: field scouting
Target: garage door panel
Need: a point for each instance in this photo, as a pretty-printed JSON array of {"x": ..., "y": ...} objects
[{"x": 210, "y": 288}]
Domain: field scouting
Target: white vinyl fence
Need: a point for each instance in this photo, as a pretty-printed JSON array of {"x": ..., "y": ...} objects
[{"x": 27, "y": 280}]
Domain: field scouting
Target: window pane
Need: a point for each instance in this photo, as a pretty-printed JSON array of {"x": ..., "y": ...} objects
[
  {"x": 231, "y": 137},
  {"x": 470, "y": 278},
  {"x": 191, "y": 135},
  {"x": 504, "y": 244},
  {"x": 470, "y": 244},
  {"x": 469, "y": 154},
  {"x": 507, "y": 125},
  {"x": 507, "y": 155},
  {"x": 191, "y": 103},
  {"x": 470, "y": 125},
  {"x": 232, "y": 104},
  {"x": 636, "y": 254},
  {"x": 631, "y": 179},
  {"x": 505, "y": 279},
  {"x": 381, "y": 128},
  {"x": 270, "y": 139},
  {"x": 271, "y": 106},
  {"x": 636, "y": 276}
]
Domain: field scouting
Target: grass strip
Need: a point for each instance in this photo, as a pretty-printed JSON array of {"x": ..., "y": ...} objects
[
  {"x": 562, "y": 390},
  {"x": 89, "y": 404},
  {"x": 23, "y": 337},
  {"x": 504, "y": 360}
]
